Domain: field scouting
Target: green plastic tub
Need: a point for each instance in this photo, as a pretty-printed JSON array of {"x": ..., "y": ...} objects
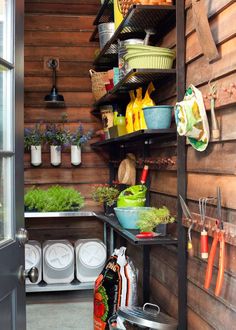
[{"x": 149, "y": 60}]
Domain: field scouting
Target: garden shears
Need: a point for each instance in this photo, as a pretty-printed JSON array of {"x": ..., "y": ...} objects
[{"x": 218, "y": 237}]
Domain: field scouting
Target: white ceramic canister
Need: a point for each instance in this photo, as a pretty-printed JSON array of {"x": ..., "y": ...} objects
[
  {"x": 36, "y": 155},
  {"x": 55, "y": 155},
  {"x": 75, "y": 154}
]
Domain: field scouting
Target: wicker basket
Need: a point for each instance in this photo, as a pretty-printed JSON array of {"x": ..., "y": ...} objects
[
  {"x": 126, "y": 4},
  {"x": 99, "y": 79}
]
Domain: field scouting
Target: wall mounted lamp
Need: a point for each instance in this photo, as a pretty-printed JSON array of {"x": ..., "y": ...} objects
[{"x": 54, "y": 98}]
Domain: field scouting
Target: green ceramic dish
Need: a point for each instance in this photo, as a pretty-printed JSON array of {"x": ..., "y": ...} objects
[{"x": 149, "y": 60}]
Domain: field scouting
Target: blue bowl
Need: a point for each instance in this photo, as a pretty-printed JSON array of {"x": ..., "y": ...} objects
[
  {"x": 158, "y": 117},
  {"x": 128, "y": 216}
]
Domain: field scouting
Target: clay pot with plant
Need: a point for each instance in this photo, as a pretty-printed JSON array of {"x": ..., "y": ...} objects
[
  {"x": 107, "y": 196},
  {"x": 155, "y": 219}
]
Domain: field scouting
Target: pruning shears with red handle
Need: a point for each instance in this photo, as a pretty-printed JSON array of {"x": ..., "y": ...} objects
[{"x": 218, "y": 237}]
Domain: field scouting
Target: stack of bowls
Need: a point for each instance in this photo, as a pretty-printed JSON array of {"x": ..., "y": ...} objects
[{"x": 149, "y": 57}]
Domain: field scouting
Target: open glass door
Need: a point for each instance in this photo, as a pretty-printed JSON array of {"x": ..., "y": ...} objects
[{"x": 12, "y": 239}]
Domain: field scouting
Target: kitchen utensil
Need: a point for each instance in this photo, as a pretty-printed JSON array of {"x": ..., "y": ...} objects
[
  {"x": 149, "y": 316},
  {"x": 127, "y": 170},
  {"x": 147, "y": 235},
  {"x": 149, "y": 32},
  {"x": 218, "y": 237},
  {"x": 188, "y": 215},
  {"x": 214, "y": 123}
]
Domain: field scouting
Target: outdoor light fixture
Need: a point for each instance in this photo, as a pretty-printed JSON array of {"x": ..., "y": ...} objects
[{"x": 54, "y": 98}]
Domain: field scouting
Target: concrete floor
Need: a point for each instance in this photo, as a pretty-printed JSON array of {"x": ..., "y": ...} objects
[{"x": 60, "y": 311}]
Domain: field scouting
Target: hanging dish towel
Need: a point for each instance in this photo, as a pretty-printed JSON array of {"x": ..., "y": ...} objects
[{"x": 191, "y": 119}]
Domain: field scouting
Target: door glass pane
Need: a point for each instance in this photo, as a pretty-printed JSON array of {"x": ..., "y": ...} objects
[
  {"x": 6, "y": 110},
  {"x": 6, "y": 201},
  {"x": 6, "y": 30}
]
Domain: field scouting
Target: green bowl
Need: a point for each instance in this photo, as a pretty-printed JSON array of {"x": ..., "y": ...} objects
[
  {"x": 144, "y": 48},
  {"x": 149, "y": 60}
]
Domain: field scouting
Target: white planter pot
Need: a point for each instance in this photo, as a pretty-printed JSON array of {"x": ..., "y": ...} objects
[
  {"x": 55, "y": 155},
  {"x": 36, "y": 155},
  {"x": 75, "y": 155}
]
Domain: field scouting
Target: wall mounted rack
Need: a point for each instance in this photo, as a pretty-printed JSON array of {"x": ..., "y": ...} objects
[{"x": 138, "y": 19}]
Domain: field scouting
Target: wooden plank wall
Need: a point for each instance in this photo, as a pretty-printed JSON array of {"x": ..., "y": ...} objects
[
  {"x": 205, "y": 171},
  {"x": 62, "y": 29}
]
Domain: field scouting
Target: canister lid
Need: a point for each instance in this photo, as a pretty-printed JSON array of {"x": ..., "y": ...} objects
[
  {"x": 59, "y": 256},
  {"x": 32, "y": 256},
  {"x": 149, "y": 316},
  {"x": 92, "y": 254}
]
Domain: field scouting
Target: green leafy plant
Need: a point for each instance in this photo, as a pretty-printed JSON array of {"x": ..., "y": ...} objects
[
  {"x": 105, "y": 194},
  {"x": 33, "y": 136},
  {"x": 153, "y": 217},
  {"x": 54, "y": 199}
]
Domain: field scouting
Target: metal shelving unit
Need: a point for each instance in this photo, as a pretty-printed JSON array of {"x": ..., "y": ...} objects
[
  {"x": 141, "y": 135},
  {"x": 44, "y": 287},
  {"x": 134, "y": 79},
  {"x": 163, "y": 19},
  {"x": 130, "y": 234},
  {"x": 31, "y": 215},
  {"x": 138, "y": 18}
]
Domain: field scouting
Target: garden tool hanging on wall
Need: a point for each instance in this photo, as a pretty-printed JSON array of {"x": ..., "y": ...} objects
[
  {"x": 188, "y": 215},
  {"x": 215, "y": 132},
  {"x": 219, "y": 236},
  {"x": 203, "y": 30},
  {"x": 204, "y": 236},
  {"x": 191, "y": 119}
]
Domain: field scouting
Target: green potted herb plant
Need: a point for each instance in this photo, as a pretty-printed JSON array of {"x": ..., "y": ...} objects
[
  {"x": 33, "y": 140},
  {"x": 155, "y": 218},
  {"x": 77, "y": 140},
  {"x": 107, "y": 196},
  {"x": 54, "y": 199},
  {"x": 57, "y": 137}
]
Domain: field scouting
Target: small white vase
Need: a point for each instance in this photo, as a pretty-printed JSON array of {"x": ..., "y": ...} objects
[
  {"x": 36, "y": 155},
  {"x": 75, "y": 154},
  {"x": 55, "y": 155}
]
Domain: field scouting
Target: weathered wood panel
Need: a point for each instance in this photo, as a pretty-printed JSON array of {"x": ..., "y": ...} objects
[
  {"x": 58, "y": 23},
  {"x": 206, "y": 170},
  {"x": 79, "y": 53},
  {"x": 72, "y": 68},
  {"x": 81, "y": 8},
  {"x": 62, "y": 29},
  {"x": 45, "y": 114},
  {"x": 61, "y": 175}
]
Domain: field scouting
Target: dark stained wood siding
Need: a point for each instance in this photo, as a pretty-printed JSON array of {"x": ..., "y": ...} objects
[
  {"x": 62, "y": 29},
  {"x": 205, "y": 171}
]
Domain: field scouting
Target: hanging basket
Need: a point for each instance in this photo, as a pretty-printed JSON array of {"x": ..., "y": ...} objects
[{"x": 99, "y": 79}]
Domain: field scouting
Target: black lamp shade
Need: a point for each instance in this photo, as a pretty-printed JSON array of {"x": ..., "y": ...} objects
[{"x": 54, "y": 97}]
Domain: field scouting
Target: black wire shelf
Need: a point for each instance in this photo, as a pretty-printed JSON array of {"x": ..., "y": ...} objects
[
  {"x": 130, "y": 234},
  {"x": 141, "y": 135},
  {"x": 134, "y": 79},
  {"x": 138, "y": 19}
]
